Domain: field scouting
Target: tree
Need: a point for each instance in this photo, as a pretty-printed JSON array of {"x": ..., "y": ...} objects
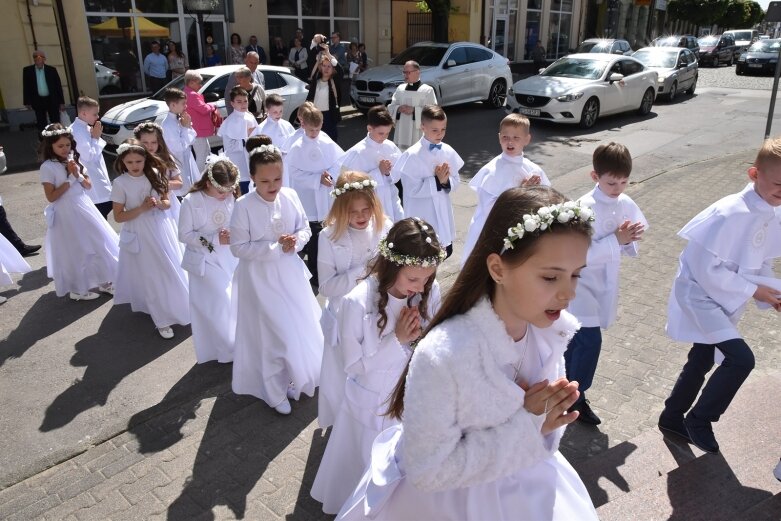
[
  {"x": 440, "y": 12},
  {"x": 739, "y": 15},
  {"x": 697, "y": 12}
]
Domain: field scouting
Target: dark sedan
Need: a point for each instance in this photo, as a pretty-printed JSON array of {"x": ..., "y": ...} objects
[{"x": 761, "y": 58}]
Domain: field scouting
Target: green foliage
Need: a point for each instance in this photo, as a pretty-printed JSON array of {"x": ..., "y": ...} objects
[
  {"x": 697, "y": 12},
  {"x": 741, "y": 15},
  {"x": 423, "y": 7}
]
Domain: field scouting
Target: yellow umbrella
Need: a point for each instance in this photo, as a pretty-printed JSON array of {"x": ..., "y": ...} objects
[{"x": 147, "y": 28}]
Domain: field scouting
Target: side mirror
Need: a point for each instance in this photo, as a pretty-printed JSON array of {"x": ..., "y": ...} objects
[
  {"x": 618, "y": 51},
  {"x": 450, "y": 63},
  {"x": 211, "y": 97},
  {"x": 681, "y": 64},
  {"x": 614, "y": 77}
]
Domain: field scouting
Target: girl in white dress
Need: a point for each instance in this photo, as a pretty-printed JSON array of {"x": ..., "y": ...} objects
[
  {"x": 279, "y": 343},
  {"x": 150, "y": 276},
  {"x": 150, "y": 135},
  {"x": 379, "y": 322},
  {"x": 484, "y": 402},
  {"x": 351, "y": 231},
  {"x": 203, "y": 228},
  {"x": 81, "y": 247},
  {"x": 11, "y": 261}
]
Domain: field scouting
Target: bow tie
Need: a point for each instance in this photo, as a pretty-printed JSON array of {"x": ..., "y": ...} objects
[{"x": 432, "y": 146}]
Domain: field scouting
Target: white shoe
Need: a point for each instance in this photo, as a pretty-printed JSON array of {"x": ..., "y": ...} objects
[
  {"x": 166, "y": 332},
  {"x": 3, "y": 300},
  {"x": 86, "y": 296},
  {"x": 284, "y": 407},
  {"x": 777, "y": 471},
  {"x": 291, "y": 391},
  {"x": 107, "y": 288}
]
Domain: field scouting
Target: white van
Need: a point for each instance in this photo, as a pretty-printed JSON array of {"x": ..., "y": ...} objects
[{"x": 743, "y": 39}]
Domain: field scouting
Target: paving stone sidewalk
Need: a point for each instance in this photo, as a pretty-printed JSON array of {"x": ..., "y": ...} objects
[{"x": 222, "y": 456}]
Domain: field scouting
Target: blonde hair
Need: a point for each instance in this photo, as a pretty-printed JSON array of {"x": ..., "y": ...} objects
[
  {"x": 338, "y": 218},
  {"x": 313, "y": 117},
  {"x": 515, "y": 120},
  {"x": 769, "y": 152}
]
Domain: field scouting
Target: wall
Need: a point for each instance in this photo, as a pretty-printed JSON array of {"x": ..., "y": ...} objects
[{"x": 250, "y": 18}]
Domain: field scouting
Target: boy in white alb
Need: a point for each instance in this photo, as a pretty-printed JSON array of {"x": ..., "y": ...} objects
[
  {"x": 274, "y": 126},
  {"x": 235, "y": 130},
  {"x": 727, "y": 262},
  {"x": 86, "y": 130},
  {"x": 375, "y": 155},
  {"x": 312, "y": 166},
  {"x": 507, "y": 170},
  {"x": 179, "y": 137},
  {"x": 618, "y": 225},
  {"x": 429, "y": 172}
]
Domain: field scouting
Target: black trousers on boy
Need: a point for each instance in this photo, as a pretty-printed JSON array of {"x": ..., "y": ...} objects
[{"x": 310, "y": 251}]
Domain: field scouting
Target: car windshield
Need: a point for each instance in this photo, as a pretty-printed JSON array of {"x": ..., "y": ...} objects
[
  {"x": 664, "y": 60},
  {"x": 576, "y": 68},
  {"x": 667, "y": 42},
  {"x": 708, "y": 41},
  {"x": 178, "y": 83},
  {"x": 593, "y": 47},
  {"x": 765, "y": 46},
  {"x": 424, "y": 55},
  {"x": 741, "y": 35}
]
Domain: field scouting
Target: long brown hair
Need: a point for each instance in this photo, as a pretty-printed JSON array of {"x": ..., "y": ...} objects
[
  {"x": 163, "y": 153},
  {"x": 474, "y": 281},
  {"x": 46, "y": 150},
  {"x": 338, "y": 218},
  {"x": 413, "y": 237},
  {"x": 224, "y": 173},
  {"x": 154, "y": 169}
]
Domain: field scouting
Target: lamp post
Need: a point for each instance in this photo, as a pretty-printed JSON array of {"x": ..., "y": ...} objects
[{"x": 200, "y": 8}]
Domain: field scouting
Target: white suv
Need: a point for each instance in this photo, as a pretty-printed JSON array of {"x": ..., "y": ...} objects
[
  {"x": 459, "y": 73},
  {"x": 119, "y": 122}
]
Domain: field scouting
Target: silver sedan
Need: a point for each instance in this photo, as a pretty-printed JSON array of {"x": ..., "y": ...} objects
[{"x": 677, "y": 67}]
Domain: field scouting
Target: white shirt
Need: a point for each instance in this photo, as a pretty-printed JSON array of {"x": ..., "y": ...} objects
[
  {"x": 91, "y": 156},
  {"x": 321, "y": 96},
  {"x": 305, "y": 163},
  {"x": 234, "y": 133}
]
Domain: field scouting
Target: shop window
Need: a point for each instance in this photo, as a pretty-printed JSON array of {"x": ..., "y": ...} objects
[{"x": 533, "y": 27}]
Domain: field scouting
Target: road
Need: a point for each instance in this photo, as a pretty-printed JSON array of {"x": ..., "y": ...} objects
[{"x": 75, "y": 374}]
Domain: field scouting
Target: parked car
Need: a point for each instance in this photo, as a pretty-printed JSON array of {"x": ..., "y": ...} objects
[
  {"x": 459, "y": 73},
  {"x": 686, "y": 41},
  {"x": 609, "y": 46},
  {"x": 579, "y": 88},
  {"x": 676, "y": 68},
  {"x": 717, "y": 49},
  {"x": 743, "y": 39},
  {"x": 108, "y": 79},
  {"x": 119, "y": 122},
  {"x": 761, "y": 57}
]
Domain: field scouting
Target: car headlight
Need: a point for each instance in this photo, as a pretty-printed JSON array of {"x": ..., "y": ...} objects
[
  {"x": 773, "y": 60},
  {"x": 132, "y": 126},
  {"x": 393, "y": 84},
  {"x": 742, "y": 58},
  {"x": 572, "y": 96}
]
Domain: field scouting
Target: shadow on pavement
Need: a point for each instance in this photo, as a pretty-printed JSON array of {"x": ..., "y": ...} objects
[
  {"x": 124, "y": 343},
  {"x": 33, "y": 280},
  {"x": 48, "y": 315},
  {"x": 241, "y": 438},
  {"x": 306, "y": 505}
]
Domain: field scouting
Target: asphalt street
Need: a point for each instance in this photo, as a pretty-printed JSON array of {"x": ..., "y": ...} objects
[{"x": 73, "y": 375}]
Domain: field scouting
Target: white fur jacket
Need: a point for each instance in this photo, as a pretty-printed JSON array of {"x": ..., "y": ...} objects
[{"x": 464, "y": 421}]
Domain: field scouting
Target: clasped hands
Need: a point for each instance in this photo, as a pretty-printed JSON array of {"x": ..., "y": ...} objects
[
  {"x": 442, "y": 172},
  {"x": 552, "y": 400},
  {"x": 288, "y": 243}
]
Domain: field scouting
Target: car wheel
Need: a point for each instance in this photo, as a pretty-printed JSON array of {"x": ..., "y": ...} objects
[
  {"x": 647, "y": 102},
  {"x": 715, "y": 62},
  {"x": 739, "y": 70},
  {"x": 590, "y": 113},
  {"x": 731, "y": 60},
  {"x": 694, "y": 86},
  {"x": 497, "y": 95},
  {"x": 673, "y": 92}
]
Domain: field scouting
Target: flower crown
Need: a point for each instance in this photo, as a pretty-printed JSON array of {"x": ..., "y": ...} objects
[
  {"x": 210, "y": 162},
  {"x": 400, "y": 259},
  {"x": 357, "y": 185},
  {"x": 265, "y": 148},
  {"x": 124, "y": 147},
  {"x": 147, "y": 126},
  {"x": 546, "y": 216},
  {"x": 56, "y": 132}
]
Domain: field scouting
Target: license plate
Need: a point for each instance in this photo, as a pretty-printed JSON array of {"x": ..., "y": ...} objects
[
  {"x": 529, "y": 112},
  {"x": 755, "y": 65},
  {"x": 108, "y": 139},
  {"x": 367, "y": 99}
]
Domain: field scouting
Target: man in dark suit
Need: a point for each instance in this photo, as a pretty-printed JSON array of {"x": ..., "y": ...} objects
[
  {"x": 254, "y": 47},
  {"x": 42, "y": 90}
]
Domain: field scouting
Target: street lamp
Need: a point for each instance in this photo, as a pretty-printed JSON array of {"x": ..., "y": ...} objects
[{"x": 200, "y": 8}]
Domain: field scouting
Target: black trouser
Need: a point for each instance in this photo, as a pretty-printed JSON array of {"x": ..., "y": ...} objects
[
  {"x": 46, "y": 107},
  {"x": 329, "y": 125},
  {"x": 105, "y": 208},
  {"x": 310, "y": 251},
  {"x": 155, "y": 84},
  {"x": 8, "y": 232},
  {"x": 722, "y": 386}
]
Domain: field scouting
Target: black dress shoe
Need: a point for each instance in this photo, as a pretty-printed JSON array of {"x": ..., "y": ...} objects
[
  {"x": 673, "y": 426},
  {"x": 586, "y": 414},
  {"x": 701, "y": 435},
  {"x": 29, "y": 249}
]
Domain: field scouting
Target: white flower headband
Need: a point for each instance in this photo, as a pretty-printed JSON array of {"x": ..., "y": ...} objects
[
  {"x": 265, "y": 148},
  {"x": 147, "y": 127},
  {"x": 212, "y": 160},
  {"x": 399, "y": 259},
  {"x": 542, "y": 220},
  {"x": 357, "y": 185},
  {"x": 124, "y": 147},
  {"x": 56, "y": 132}
]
